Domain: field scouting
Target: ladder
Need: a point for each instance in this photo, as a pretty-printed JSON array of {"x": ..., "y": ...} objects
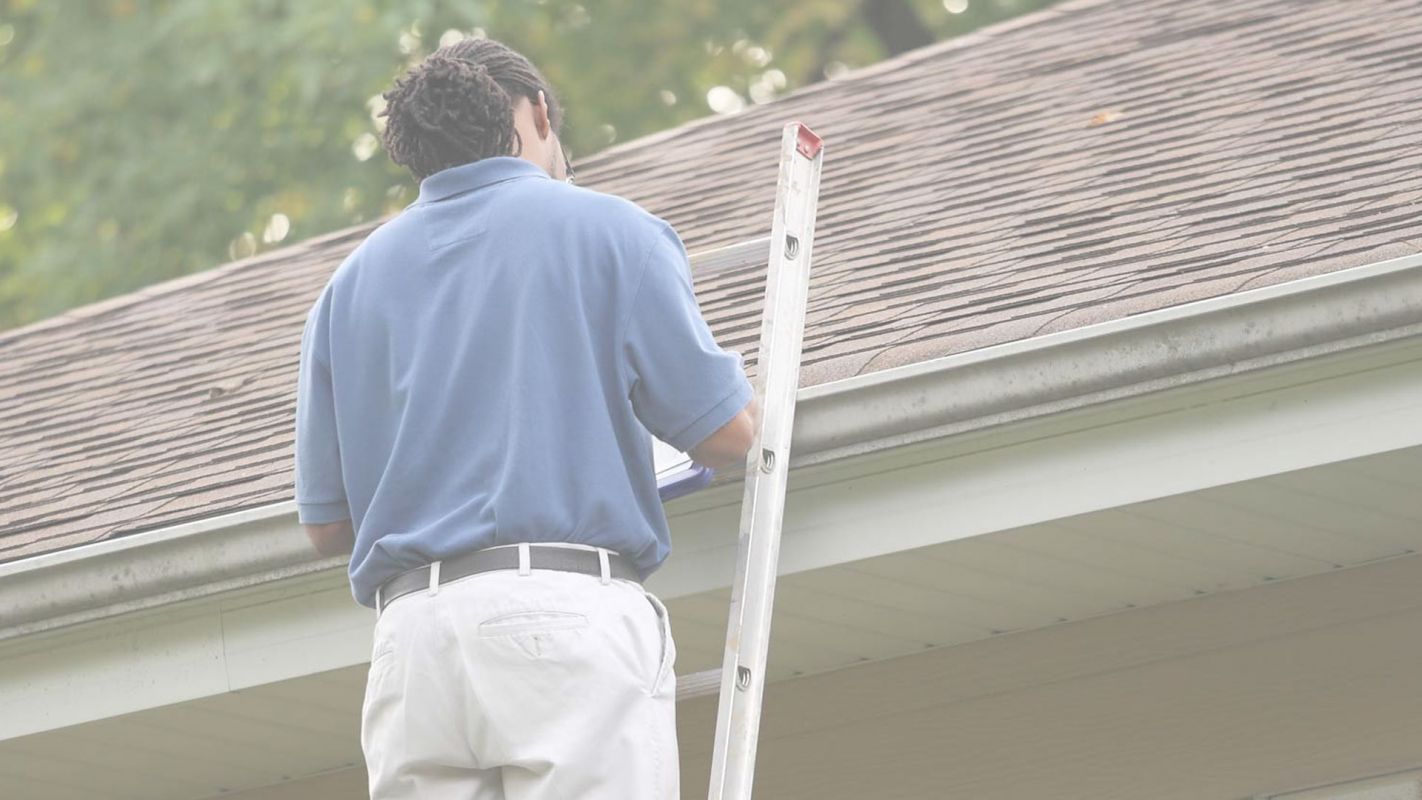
[{"x": 741, "y": 679}]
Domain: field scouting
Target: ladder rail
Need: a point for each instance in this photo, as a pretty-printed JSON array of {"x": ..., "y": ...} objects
[{"x": 763, "y": 504}]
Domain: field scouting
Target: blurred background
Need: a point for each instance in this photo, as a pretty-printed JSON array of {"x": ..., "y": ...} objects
[{"x": 145, "y": 139}]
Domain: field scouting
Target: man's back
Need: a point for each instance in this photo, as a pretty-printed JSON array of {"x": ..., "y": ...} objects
[
  {"x": 490, "y": 352},
  {"x": 476, "y": 387}
]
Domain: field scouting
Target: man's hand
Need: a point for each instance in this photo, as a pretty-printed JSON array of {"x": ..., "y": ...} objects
[{"x": 333, "y": 538}]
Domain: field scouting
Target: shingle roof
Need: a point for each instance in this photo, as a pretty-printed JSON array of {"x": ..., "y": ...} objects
[{"x": 1085, "y": 163}]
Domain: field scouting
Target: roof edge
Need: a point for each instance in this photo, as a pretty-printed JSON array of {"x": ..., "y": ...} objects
[
  {"x": 994, "y": 386},
  {"x": 217, "y": 270},
  {"x": 123, "y": 300},
  {"x": 909, "y": 57}
]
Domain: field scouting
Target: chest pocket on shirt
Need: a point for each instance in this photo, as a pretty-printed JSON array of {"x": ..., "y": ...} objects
[{"x": 449, "y": 222}]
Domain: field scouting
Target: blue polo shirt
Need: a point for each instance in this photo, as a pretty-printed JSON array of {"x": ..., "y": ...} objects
[{"x": 485, "y": 369}]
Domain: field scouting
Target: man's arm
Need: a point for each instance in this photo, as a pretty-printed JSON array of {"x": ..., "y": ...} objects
[
  {"x": 684, "y": 388},
  {"x": 321, "y": 505},
  {"x": 727, "y": 447},
  {"x": 332, "y": 538}
]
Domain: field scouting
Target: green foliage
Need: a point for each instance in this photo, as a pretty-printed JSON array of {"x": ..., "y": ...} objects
[{"x": 145, "y": 139}]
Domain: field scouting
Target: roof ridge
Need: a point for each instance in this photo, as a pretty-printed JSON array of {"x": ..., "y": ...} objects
[{"x": 899, "y": 61}]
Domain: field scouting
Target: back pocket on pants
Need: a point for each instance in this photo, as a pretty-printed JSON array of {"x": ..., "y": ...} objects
[{"x": 521, "y": 622}]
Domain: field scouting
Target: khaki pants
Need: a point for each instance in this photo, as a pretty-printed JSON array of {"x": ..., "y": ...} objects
[{"x": 540, "y": 686}]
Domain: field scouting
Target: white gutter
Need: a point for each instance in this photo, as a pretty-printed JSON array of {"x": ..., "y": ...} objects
[
  {"x": 1156, "y": 350},
  {"x": 154, "y": 568},
  {"x": 1019, "y": 380}
]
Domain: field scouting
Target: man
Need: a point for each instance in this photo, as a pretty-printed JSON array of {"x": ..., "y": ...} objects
[{"x": 477, "y": 383}]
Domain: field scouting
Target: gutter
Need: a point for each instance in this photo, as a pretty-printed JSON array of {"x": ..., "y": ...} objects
[
  {"x": 1031, "y": 378},
  {"x": 1164, "y": 349},
  {"x": 155, "y": 568}
]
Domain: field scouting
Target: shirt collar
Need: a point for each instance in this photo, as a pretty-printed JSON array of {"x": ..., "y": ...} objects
[{"x": 476, "y": 174}]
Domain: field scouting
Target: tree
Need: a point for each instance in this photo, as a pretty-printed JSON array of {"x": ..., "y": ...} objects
[{"x": 144, "y": 139}]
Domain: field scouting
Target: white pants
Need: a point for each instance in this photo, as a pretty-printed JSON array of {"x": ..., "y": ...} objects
[{"x": 541, "y": 686}]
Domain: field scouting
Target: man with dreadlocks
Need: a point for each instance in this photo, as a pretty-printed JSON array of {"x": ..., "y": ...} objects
[{"x": 477, "y": 384}]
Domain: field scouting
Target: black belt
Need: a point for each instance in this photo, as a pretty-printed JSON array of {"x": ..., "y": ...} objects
[{"x": 563, "y": 559}]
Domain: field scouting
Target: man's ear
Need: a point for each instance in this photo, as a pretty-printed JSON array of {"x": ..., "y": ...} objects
[{"x": 541, "y": 122}]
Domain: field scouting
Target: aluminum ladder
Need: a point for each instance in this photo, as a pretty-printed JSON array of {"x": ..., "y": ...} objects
[{"x": 741, "y": 679}]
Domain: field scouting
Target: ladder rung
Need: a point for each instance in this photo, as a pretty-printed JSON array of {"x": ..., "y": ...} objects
[
  {"x": 698, "y": 684},
  {"x": 750, "y": 253}
]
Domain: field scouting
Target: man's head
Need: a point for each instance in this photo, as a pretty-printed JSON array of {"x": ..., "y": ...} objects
[{"x": 474, "y": 99}]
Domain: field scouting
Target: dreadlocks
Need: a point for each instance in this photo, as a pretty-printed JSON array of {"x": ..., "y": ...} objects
[{"x": 457, "y": 106}]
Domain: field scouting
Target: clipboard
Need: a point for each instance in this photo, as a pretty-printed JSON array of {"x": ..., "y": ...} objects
[{"x": 677, "y": 474}]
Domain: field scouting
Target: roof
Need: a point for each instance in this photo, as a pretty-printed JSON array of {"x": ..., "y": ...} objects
[{"x": 1089, "y": 162}]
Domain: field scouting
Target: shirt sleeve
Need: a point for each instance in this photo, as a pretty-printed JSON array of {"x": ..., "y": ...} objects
[
  {"x": 683, "y": 386},
  {"x": 320, "y": 491}
]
